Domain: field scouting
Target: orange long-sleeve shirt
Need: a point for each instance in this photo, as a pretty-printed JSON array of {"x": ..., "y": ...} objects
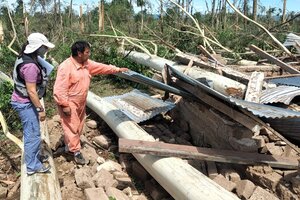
[{"x": 73, "y": 80}]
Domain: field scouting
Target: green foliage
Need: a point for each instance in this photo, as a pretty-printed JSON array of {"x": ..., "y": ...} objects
[
  {"x": 120, "y": 12},
  {"x": 10, "y": 115},
  {"x": 111, "y": 198},
  {"x": 7, "y": 60},
  {"x": 112, "y": 57}
]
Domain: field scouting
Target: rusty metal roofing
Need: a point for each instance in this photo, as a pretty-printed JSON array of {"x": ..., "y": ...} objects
[
  {"x": 139, "y": 106},
  {"x": 291, "y": 81},
  {"x": 280, "y": 94},
  {"x": 257, "y": 109}
]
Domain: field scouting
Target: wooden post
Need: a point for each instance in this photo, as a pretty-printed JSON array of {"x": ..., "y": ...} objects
[{"x": 254, "y": 87}]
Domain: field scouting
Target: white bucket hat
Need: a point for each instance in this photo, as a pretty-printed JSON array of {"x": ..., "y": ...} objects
[{"x": 35, "y": 41}]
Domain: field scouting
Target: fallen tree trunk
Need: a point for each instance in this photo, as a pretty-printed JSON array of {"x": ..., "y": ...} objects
[
  {"x": 180, "y": 179},
  {"x": 220, "y": 83}
]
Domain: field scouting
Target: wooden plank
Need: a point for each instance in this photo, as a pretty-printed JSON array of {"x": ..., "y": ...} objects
[
  {"x": 259, "y": 68},
  {"x": 254, "y": 87},
  {"x": 273, "y": 60},
  {"x": 206, "y": 53},
  {"x": 208, "y": 154},
  {"x": 222, "y": 107}
]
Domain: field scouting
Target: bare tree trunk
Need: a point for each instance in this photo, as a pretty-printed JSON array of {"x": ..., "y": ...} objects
[
  {"x": 254, "y": 10},
  {"x": 1, "y": 33},
  {"x": 89, "y": 18},
  {"x": 218, "y": 13},
  {"x": 236, "y": 15},
  {"x": 213, "y": 12},
  {"x": 224, "y": 14},
  {"x": 161, "y": 16},
  {"x": 101, "y": 16},
  {"x": 26, "y": 22},
  {"x": 188, "y": 5},
  {"x": 81, "y": 20},
  {"x": 59, "y": 7},
  {"x": 284, "y": 11},
  {"x": 70, "y": 12},
  {"x": 55, "y": 8},
  {"x": 142, "y": 18},
  {"x": 245, "y": 11}
]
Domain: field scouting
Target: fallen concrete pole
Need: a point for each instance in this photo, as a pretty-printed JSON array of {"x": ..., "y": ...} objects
[
  {"x": 181, "y": 180},
  {"x": 220, "y": 83}
]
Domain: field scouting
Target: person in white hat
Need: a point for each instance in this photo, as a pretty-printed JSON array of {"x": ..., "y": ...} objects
[{"x": 30, "y": 81}]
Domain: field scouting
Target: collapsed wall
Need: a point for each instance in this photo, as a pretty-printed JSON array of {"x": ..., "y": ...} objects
[{"x": 208, "y": 127}]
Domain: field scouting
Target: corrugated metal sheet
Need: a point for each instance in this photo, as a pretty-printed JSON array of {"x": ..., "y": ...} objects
[
  {"x": 139, "y": 106},
  {"x": 282, "y": 94},
  {"x": 266, "y": 111},
  {"x": 289, "y": 127},
  {"x": 257, "y": 109},
  {"x": 291, "y": 81},
  {"x": 292, "y": 40},
  {"x": 139, "y": 78}
]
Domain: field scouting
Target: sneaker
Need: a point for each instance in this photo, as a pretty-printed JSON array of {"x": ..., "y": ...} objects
[
  {"x": 43, "y": 158},
  {"x": 44, "y": 169},
  {"x": 79, "y": 159},
  {"x": 62, "y": 151}
]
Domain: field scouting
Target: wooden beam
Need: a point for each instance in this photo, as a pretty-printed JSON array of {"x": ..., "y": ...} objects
[
  {"x": 208, "y": 154},
  {"x": 222, "y": 107},
  {"x": 206, "y": 53},
  {"x": 273, "y": 60},
  {"x": 259, "y": 68}
]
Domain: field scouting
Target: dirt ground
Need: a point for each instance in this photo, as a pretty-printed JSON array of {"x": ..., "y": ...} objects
[{"x": 10, "y": 161}]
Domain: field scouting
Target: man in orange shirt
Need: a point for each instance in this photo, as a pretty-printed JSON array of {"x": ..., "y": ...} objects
[{"x": 70, "y": 93}]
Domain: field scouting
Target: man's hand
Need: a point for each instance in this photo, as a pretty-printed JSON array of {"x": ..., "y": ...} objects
[
  {"x": 42, "y": 116},
  {"x": 123, "y": 69},
  {"x": 67, "y": 110}
]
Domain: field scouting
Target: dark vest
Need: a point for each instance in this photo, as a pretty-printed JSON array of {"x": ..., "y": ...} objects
[{"x": 19, "y": 82}]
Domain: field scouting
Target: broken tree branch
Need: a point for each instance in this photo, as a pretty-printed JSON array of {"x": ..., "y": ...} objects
[
  {"x": 262, "y": 27},
  {"x": 10, "y": 136},
  {"x": 197, "y": 25},
  {"x": 15, "y": 33}
]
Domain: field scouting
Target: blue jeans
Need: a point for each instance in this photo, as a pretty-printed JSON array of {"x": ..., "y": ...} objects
[{"x": 31, "y": 134}]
